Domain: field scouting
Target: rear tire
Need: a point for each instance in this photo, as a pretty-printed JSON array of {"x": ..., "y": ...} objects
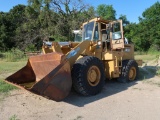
[
  {"x": 129, "y": 71},
  {"x": 88, "y": 76}
]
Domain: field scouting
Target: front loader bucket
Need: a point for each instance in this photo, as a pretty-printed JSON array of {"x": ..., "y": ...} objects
[{"x": 45, "y": 75}]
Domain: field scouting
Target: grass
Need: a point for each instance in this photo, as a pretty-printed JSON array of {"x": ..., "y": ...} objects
[
  {"x": 78, "y": 118},
  {"x": 5, "y": 87},
  {"x": 10, "y": 62},
  {"x": 6, "y": 69},
  {"x": 10, "y": 67},
  {"x": 154, "y": 52},
  {"x": 146, "y": 57},
  {"x": 14, "y": 117},
  {"x": 147, "y": 53}
]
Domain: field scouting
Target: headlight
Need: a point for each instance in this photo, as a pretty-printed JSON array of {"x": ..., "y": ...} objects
[{"x": 99, "y": 43}]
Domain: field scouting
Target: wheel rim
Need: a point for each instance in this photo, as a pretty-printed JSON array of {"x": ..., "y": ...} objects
[
  {"x": 132, "y": 73},
  {"x": 93, "y": 75}
]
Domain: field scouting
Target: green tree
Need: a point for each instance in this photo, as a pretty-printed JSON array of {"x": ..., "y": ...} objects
[
  {"x": 69, "y": 15},
  {"x": 124, "y": 19},
  {"x": 106, "y": 11},
  {"x": 146, "y": 34},
  {"x": 35, "y": 29},
  {"x": 9, "y": 22},
  {"x": 3, "y": 30},
  {"x": 150, "y": 26},
  {"x": 17, "y": 18}
]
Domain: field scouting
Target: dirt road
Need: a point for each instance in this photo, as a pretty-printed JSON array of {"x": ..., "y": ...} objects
[{"x": 117, "y": 101}]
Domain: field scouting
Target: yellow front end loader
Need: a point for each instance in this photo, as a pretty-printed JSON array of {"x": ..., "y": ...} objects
[{"x": 98, "y": 52}]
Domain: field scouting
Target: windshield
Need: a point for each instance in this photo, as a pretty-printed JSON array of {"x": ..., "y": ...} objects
[
  {"x": 88, "y": 31},
  {"x": 116, "y": 31},
  {"x": 78, "y": 37}
]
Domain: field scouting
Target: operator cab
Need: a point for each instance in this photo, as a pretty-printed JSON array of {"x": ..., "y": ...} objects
[{"x": 109, "y": 33}]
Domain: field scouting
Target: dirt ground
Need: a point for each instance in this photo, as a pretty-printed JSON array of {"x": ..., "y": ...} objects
[{"x": 139, "y": 100}]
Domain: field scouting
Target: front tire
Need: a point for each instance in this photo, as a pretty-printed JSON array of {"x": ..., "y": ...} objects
[{"x": 88, "y": 76}]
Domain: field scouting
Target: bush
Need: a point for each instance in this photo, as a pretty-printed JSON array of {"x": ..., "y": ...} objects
[
  {"x": 153, "y": 50},
  {"x": 1, "y": 55},
  {"x": 13, "y": 55},
  {"x": 30, "y": 47}
]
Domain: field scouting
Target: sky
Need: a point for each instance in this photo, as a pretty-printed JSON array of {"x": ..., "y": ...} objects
[{"x": 131, "y": 8}]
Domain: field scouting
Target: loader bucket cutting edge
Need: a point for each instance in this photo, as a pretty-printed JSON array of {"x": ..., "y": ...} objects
[{"x": 44, "y": 75}]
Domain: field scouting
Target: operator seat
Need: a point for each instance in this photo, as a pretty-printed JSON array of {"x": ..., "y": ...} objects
[
  {"x": 104, "y": 35},
  {"x": 105, "y": 39}
]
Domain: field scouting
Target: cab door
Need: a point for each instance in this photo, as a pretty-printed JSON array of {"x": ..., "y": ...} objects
[{"x": 116, "y": 34}]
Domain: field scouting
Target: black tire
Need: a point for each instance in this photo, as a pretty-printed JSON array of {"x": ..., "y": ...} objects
[
  {"x": 82, "y": 72},
  {"x": 129, "y": 71}
]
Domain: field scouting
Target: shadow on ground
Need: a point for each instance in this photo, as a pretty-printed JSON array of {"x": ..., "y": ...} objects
[
  {"x": 147, "y": 72},
  {"x": 110, "y": 88}
]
